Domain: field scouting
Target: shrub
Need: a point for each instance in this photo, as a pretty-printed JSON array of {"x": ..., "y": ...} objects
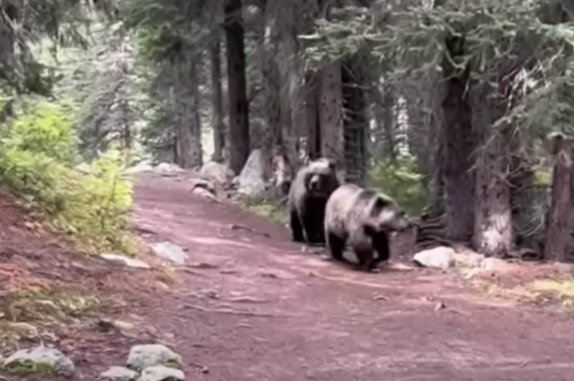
[
  {"x": 401, "y": 181},
  {"x": 37, "y": 157}
]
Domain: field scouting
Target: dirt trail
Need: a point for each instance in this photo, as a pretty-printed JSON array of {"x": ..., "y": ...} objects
[{"x": 249, "y": 305}]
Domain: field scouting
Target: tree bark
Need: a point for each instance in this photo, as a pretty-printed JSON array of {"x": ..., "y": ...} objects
[
  {"x": 459, "y": 146},
  {"x": 219, "y": 142},
  {"x": 331, "y": 115},
  {"x": 239, "y": 142},
  {"x": 356, "y": 125},
  {"x": 182, "y": 106},
  {"x": 313, "y": 144},
  {"x": 560, "y": 219},
  {"x": 493, "y": 230}
]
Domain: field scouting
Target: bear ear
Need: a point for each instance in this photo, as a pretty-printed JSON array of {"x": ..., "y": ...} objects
[
  {"x": 380, "y": 204},
  {"x": 332, "y": 164}
]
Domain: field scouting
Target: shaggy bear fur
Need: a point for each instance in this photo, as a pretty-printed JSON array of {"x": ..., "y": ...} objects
[
  {"x": 308, "y": 195},
  {"x": 364, "y": 219}
]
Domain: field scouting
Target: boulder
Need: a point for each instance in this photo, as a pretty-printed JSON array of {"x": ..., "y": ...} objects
[
  {"x": 218, "y": 173},
  {"x": 251, "y": 180},
  {"x": 118, "y": 373},
  {"x": 150, "y": 355},
  {"x": 441, "y": 257},
  {"x": 162, "y": 373},
  {"x": 42, "y": 360}
]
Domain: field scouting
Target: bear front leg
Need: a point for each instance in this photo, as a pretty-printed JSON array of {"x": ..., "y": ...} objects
[
  {"x": 381, "y": 245},
  {"x": 314, "y": 229},
  {"x": 296, "y": 228}
]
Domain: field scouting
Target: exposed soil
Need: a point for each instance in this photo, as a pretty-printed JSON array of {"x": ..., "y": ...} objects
[{"x": 251, "y": 305}]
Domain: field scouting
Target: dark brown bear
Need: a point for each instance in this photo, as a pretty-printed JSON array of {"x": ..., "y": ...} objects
[
  {"x": 364, "y": 219},
  {"x": 308, "y": 195}
]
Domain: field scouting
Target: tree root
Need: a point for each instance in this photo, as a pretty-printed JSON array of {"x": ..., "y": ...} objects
[{"x": 229, "y": 311}]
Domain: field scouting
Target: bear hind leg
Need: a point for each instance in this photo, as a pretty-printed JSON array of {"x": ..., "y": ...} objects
[
  {"x": 336, "y": 246},
  {"x": 365, "y": 258}
]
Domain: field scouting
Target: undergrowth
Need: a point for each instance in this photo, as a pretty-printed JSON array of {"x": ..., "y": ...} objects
[
  {"x": 38, "y": 164},
  {"x": 400, "y": 180},
  {"x": 266, "y": 208}
]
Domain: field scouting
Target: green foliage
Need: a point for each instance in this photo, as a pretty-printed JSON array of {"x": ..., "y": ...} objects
[
  {"x": 265, "y": 209},
  {"x": 46, "y": 130},
  {"x": 401, "y": 181},
  {"x": 497, "y": 39},
  {"x": 36, "y": 164}
]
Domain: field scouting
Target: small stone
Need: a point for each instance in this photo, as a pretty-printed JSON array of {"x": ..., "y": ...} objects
[
  {"x": 41, "y": 357},
  {"x": 170, "y": 252},
  {"x": 495, "y": 265},
  {"x": 149, "y": 355},
  {"x": 441, "y": 257},
  {"x": 439, "y": 306},
  {"x": 118, "y": 373},
  {"x": 124, "y": 260},
  {"x": 162, "y": 373}
]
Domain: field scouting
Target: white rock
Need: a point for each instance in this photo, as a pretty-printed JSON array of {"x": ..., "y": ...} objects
[
  {"x": 84, "y": 168},
  {"x": 494, "y": 264},
  {"x": 60, "y": 364},
  {"x": 118, "y": 373},
  {"x": 139, "y": 168},
  {"x": 469, "y": 259},
  {"x": 125, "y": 260},
  {"x": 150, "y": 355},
  {"x": 251, "y": 181},
  {"x": 170, "y": 252},
  {"x": 162, "y": 373},
  {"x": 441, "y": 257},
  {"x": 168, "y": 169},
  {"x": 217, "y": 173}
]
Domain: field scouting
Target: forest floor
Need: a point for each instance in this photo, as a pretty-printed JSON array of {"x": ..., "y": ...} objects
[{"x": 251, "y": 305}]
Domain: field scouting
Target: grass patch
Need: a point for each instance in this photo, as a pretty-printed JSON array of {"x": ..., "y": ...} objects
[
  {"x": 166, "y": 274},
  {"x": 266, "y": 208},
  {"x": 540, "y": 292},
  {"x": 559, "y": 291},
  {"x": 29, "y": 368}
]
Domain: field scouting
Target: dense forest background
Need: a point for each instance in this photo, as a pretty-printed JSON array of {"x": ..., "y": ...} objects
[{"x": 461, "y": 110}]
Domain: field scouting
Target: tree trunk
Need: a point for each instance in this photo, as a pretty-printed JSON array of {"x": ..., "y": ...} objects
[
  {"x": 184, "y": 105},
  {"x": 313, "y": 144},
  {"x": 331, "y": 115},
  {"x": 7, "y": 40},
  {"x": 238, "y": 105},
  {"x": 271, "y": 80},
  {"x": 389, "y": 121},
  {"x": 356, "y": 124},
  {"x": 560, "y": 222},
  {"x": 217, "y": 103},
  {"x": 459, "y": 147},
  {"x": 493, "y": 231}
]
